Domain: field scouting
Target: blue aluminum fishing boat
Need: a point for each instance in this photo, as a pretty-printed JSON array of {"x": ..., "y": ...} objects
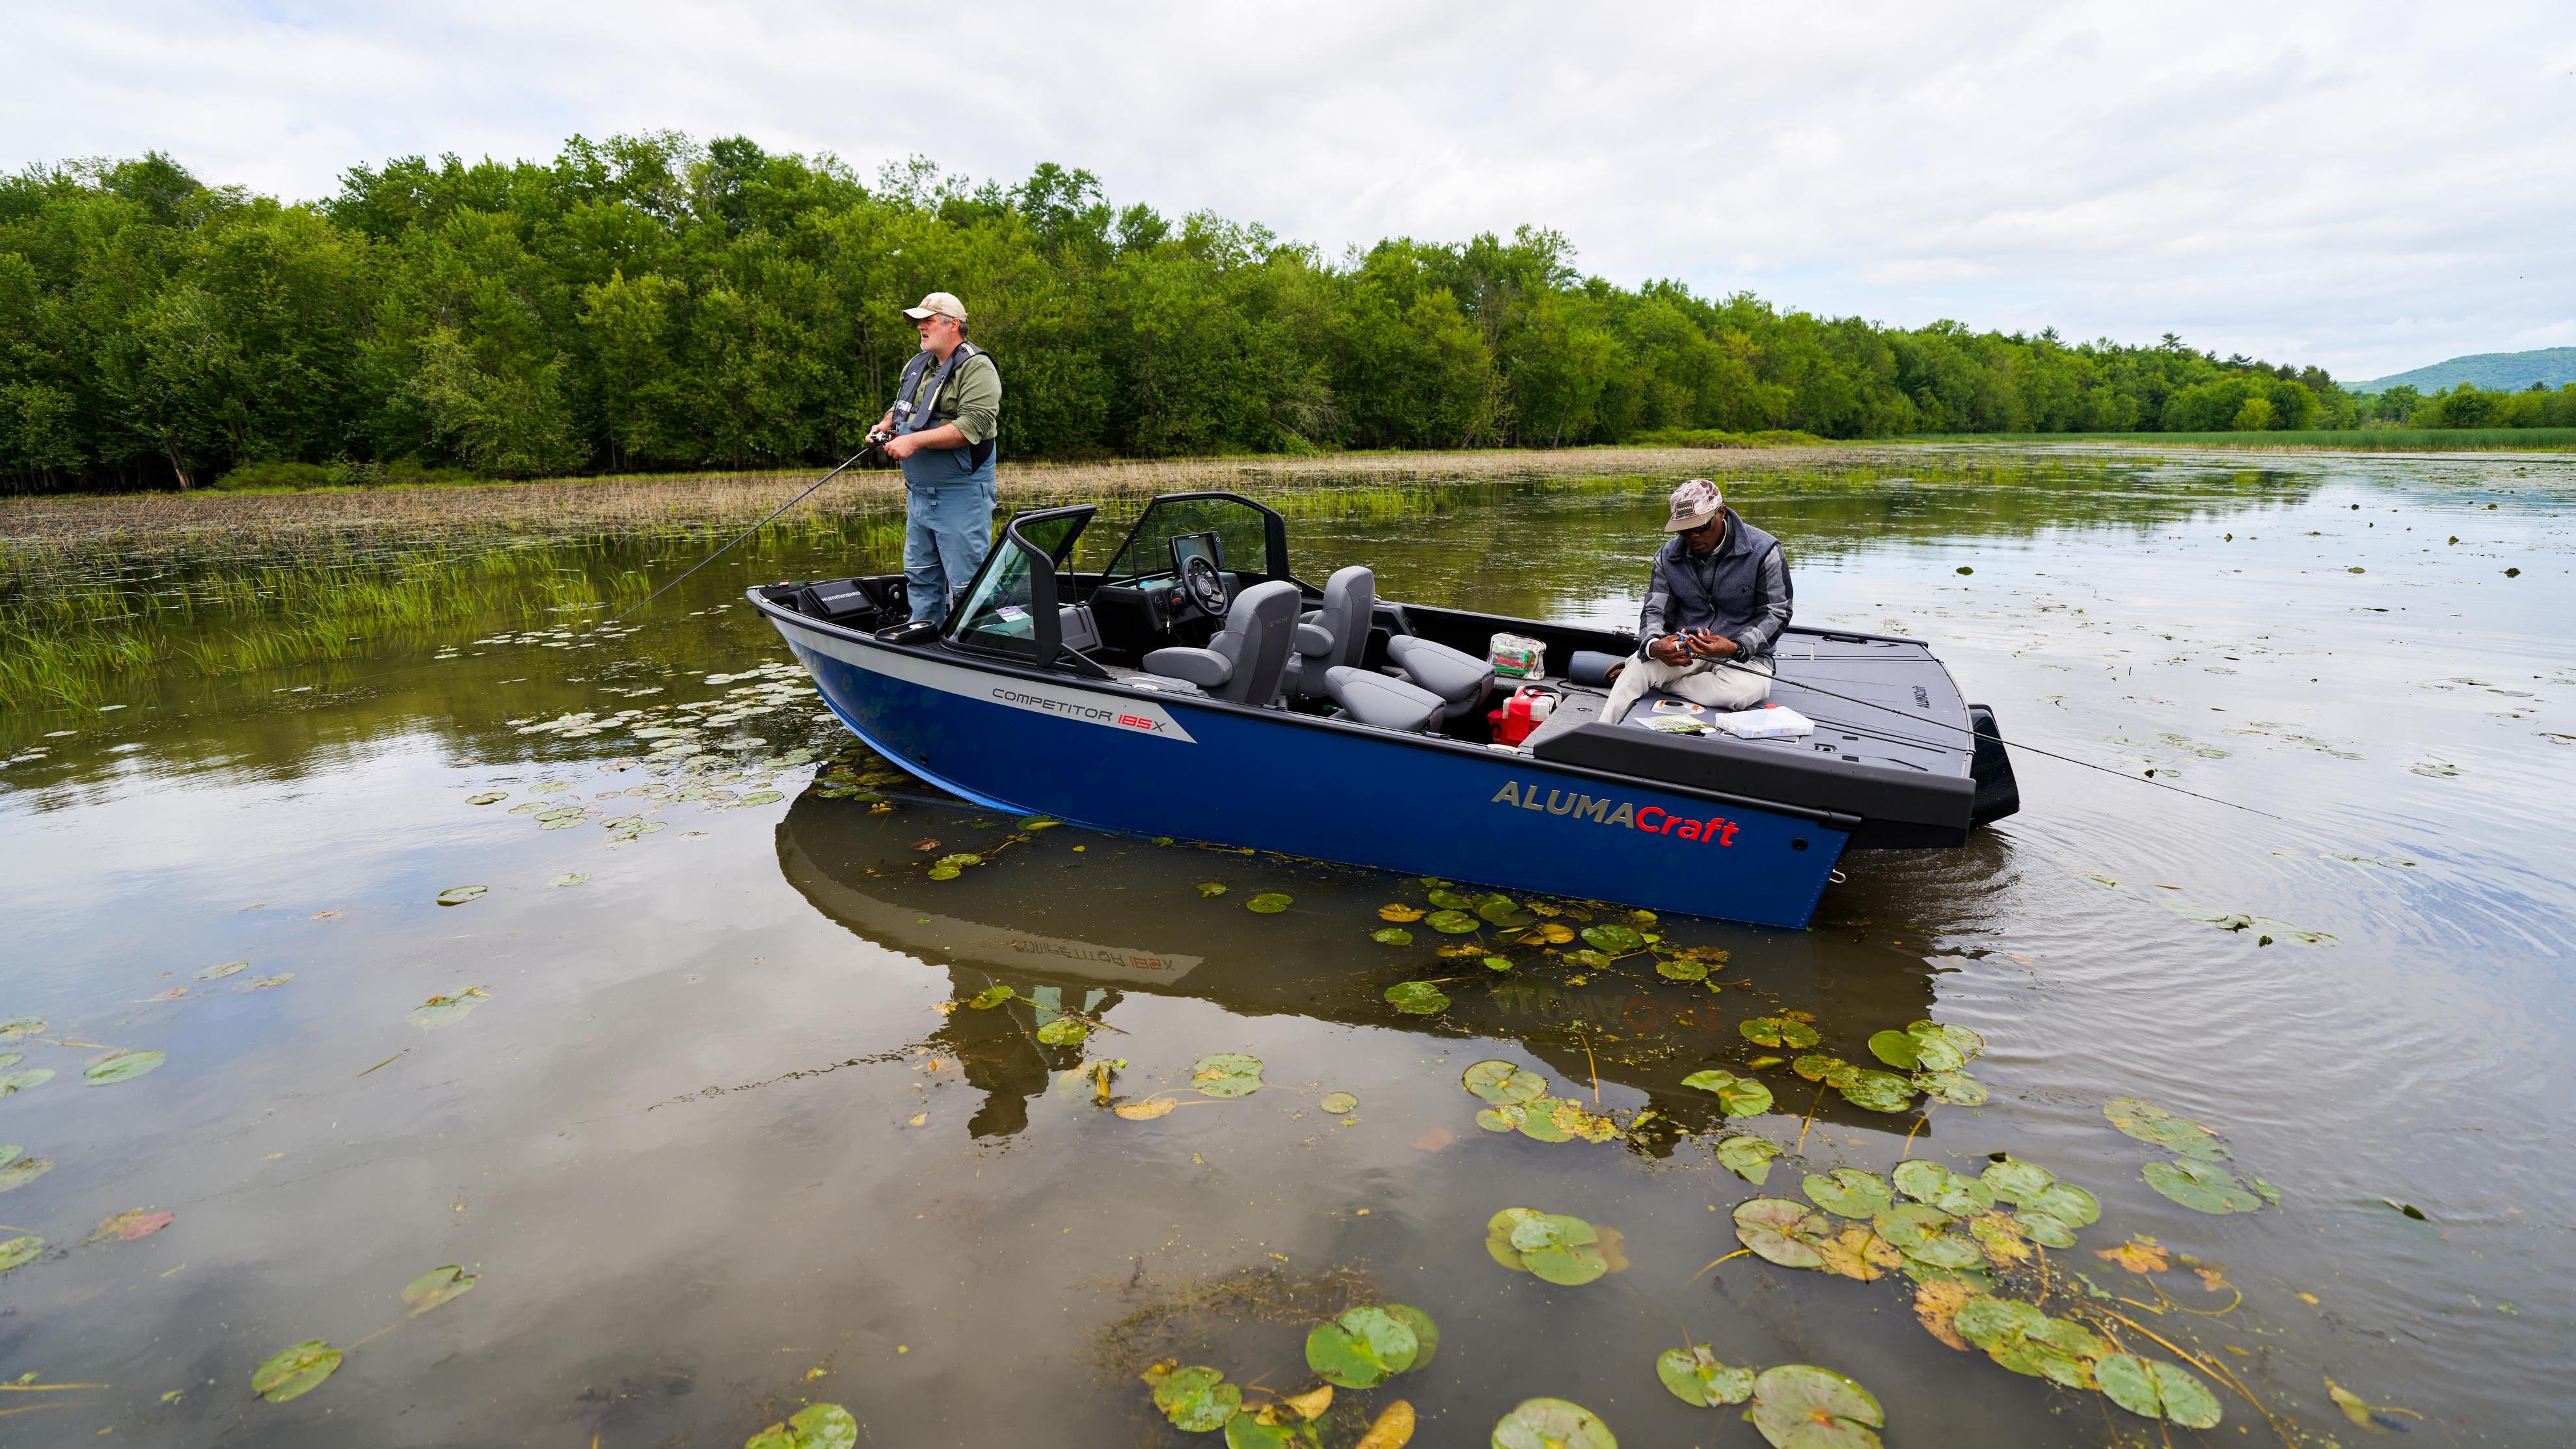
[{"x": 1194, "y": 687}]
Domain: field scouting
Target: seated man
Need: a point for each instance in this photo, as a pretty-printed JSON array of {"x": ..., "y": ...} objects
[{"x": 1715, "y": 606}]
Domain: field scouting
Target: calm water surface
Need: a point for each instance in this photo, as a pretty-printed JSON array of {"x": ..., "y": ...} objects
[{"x": 720, "y": 1137}]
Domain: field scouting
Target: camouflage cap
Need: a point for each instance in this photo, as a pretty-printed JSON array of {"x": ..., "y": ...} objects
[{"x": 1694, "y": 504}]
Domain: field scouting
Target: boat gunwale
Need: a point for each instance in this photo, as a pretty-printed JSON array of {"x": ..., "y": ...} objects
[{"x": 940, "y": 651}]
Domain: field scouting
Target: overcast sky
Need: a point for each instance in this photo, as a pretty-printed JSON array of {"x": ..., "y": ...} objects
[{"x": 2363, "y": 186}]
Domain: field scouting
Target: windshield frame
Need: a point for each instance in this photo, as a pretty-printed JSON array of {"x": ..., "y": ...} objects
[
  {"x": 1274, "y": 539},
  {"x": 1046, "y": 629}
]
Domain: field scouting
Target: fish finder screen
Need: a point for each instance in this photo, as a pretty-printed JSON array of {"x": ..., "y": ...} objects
[{"x": 1195, "y": 545}]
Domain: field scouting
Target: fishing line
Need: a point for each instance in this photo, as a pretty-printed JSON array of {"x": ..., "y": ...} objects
[
  {"x": 1999, "y": 739},
  {"x": 874, "y": 443}
]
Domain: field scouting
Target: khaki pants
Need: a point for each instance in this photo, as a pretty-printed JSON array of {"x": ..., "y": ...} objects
[{"x": 1701, "y": 681}]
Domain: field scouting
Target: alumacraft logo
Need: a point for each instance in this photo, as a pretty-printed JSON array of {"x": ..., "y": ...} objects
[
  {"x": 1091, "y": 712},
  {"x": 1653, "y": 819}
]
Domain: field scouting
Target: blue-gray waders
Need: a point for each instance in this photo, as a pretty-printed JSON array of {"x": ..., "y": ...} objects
[{"x": 948, "y": 525}]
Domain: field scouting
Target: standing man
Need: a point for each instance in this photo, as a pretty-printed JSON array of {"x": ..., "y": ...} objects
[
  {"x": 1718, "y": 599},
  {"x": 947, "y": 411}
]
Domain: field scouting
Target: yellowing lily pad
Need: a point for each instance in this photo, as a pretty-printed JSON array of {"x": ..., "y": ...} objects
[
  {"x": 816, "y": 1426},
  {"x": 218, "y": 973},
  {"x": 295, "y": 1371},
  {"x": 441, "y": 1011},
  {"x": 17, "y": 1170},
  {"x": 1697, "y": 1377},
  {"x": 1402, "y": 915},
  {"x": 18, "y": 1252},
  {"x": 488, "y": 797}
]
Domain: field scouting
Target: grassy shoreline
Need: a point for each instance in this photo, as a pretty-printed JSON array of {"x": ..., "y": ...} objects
[{"x": 2473, "y": 442}]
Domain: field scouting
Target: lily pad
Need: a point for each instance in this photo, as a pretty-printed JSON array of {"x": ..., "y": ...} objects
[
  {"x": 441, "y": 1011},
  {"x": 1848, "y": 1192},
  {"x": 1226, "y": 1074},
  {"x": 1614, "y": 939},
  {"x": 1037, "y": 822},
  {"x": 2011, "y": 1180},
  {"x": 1859, "y": 1253},
  {"x": 1748, "y": 1157},
  {"x": 17, "y": 1171},
  {"x": 1426, "y": 1334},
  {"x": 459, "y": 895},
  {"x": 1921, "y": 1232},
  {"x": 1146, "y": 1110},
  {"x": 1502, "y": 910},
  {"x": 120, "y": 1066},
  {"x": 1563, "y": 1249},
  {"x": 1064, "y": 1031},
  {"x": 1452, "y": 923},
  {"x": 1402, "y": 915},
  {"x": 2152, "y": 1124},
  {"x": 1549, "y": 933},
  {"x": 570, "y": 878},
  {"x": 21, "y": 1026},
  {"x": 18, "y": 1252},
  {"x": 1736, "y": 1096},
  {"x": 1338, "y": 1103},
  {"x": 1782, "y": 1231},
  {"x": 1772, "y": 1031},
  {"x": 2065, "y": 1202},
  {"x": 1500, "y": 1081},
  {"x": 1833, "y": 1071},
  {"x": 1392, "y": 936},
  {"x": 1951, "y": 1192},
  {"x": 1697, "y": 1378},
  {"x": 2040, "y": 1228},
  {"x": 1450, "y": 901},
  {"x": 437, "y": 1286},
  {"x": 2022, "y": 1338},
  {"x": 1876, "y": 1091},
  {"x": 1552, "y": 1424},
  {"x": 990, "y": 997},
  {"x": 1507, "y": 1117},
  {"x": 1197, "y": 1400},
  {"x": 1416, "y": 998},
  {"x": 1269, "y": 903},
  {"x": 12, "y": 1083},
  {"x": 1956, "y": 1088},
  {"x": 1800, "y": 1406},
  {"x": 293, "y": 1372},
  {"x": 218, "y": 973},
  {"x": 1209, "y": 889},
  {"x": 816, "y": 1426},
  {"x": 1362, "y": 1349},
  {"x": 1682, "y": 970},
  {"x": 128, "y": 1226},
  {"x": 1246, "y": 1431},
  {"x": 2201, "y": 1186}
]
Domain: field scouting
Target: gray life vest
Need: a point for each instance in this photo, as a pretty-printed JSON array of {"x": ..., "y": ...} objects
[{"x": 918, "y": 390}]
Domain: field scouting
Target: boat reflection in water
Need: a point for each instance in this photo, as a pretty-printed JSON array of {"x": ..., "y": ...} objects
[{"x": 1078, "y": 930}]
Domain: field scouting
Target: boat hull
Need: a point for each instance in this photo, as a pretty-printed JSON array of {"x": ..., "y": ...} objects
[{"x": 1118, "y": 759}]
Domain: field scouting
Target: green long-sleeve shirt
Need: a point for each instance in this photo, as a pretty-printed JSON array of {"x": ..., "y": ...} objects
[{"x": 971, "y": 398}]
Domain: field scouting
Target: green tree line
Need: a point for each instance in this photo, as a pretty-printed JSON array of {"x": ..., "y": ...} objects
[{"x": 647, "y": 302}]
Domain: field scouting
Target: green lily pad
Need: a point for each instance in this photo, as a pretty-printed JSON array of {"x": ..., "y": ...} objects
[
  {"x": 1552, "y": 1424},
  {"x": 488, "y": 797},
  {"x": 459, "y": 895},
  {"x": 1748, "y": 1157},
  {"x": 1697, "y": 1378},
  {"x": 1338, "y": 1103},
  {"x": 1507, "y": 1117},
  {"x": 1682, "y": 970},
  {"x": 441, "y": 1011},
  {"x": 1392, "y": 936},
  {"x": 1500, "y": 1081},
  {"x": 18, "y": 1081},
  {"x": 2152, "y": 1124},
  {"x": 1876, "y": 1091},
  {"x": 1921, "y": 1233},
  {"x": 1269, "y": 903},
  {"x": 1417, "y": 998},
  {"x": 1226, "y": 1074},
  {"x": 1362, "y": 1349},
  {"x": 1774, "y": 1031},
  {"x": 21, "y": 1026},
  {"x": 1956, "y": 1088},
  {"x": 816, "y": 1426},
  {"x": 2065, "y": 1202},
  {"x": 1736, "y": 1096},
  {"x": 1197, "y": 1400},
  {"x": 1781, "y": 1231},
  {"x": 1502, "y": 911},
  {"x": 1451, "y": 901},
  {"x": 18, "y": 1252},
  {"x": 2022, "y": 1338},
  {"x": 2012, "y": 1180},
  {"x": 1426, "y": 1334},
  {"x": 1246, "y": 1431},
  {"x": 1563, "y": 1249},
  {"x": 17, "y": 1171},
  {"x": 1833, "y": 1071},
  {"x": 1452, "y": 923},
  {"x": 1938, "y": 1186},
  {"x": 1615, "y": 939},
  {"x": 1800, "y": 1406},
  {"x": 2042, "y": 1229},
  {"x": 1538, "y": 1121},
  {"x": 2158, "y": 1390},
  {"x": 2201, "y": 1186},
  {"x": 570, "y": 878},
  {"x": 1210, "y": 889},
  {"x": 293, "y": 1372},
  {"x": 1894, "y": 1048},
  {"x": 218, "y": 973},
  {"x": 1587, "y": 958},
  {"x": 1064, "y": 1031},
  {"x": 1037, "y": 822},
  {"x": 120, "y": 1066},
  {"x": 437, "y": 1286},
  {"x": 990, "y": 997},
  {"x": 1848, "y": 1192},
  {"x": 1498, "y": 963}
]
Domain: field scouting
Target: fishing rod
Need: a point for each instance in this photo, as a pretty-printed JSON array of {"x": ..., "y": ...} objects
[
  {"x": 875, "y": 441},
  {"x": 1999, "y": 739}
]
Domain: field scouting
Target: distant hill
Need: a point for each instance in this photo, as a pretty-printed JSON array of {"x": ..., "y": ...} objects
[{"x": 2493, "y": 371}]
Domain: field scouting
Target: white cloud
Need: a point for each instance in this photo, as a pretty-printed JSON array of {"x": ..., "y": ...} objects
[{"x": 2370, "y": 187}]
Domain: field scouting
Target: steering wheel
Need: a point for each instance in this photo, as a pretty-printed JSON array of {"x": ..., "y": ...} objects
[{"x": 1204, "y": 585}]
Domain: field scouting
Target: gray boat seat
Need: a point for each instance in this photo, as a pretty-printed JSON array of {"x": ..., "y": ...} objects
[
  {"x": 1075, "y": 624},
  {"x": 1459, "y": 678},
  {"x": 1248, "y": 659},
  {"x": 1334, "y": 636},
  {"x": 1374, "y": 699}
]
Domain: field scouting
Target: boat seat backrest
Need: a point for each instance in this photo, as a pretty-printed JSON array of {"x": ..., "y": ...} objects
[
  {"x": 1334, "y": 635},
  {"x": 1459, "y": 678},
  {"x": 1078, "y": 628},
  {"x": 1248, "y": 659}
]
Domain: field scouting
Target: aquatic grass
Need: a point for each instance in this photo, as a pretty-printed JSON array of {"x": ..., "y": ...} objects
[{"x": 2360, "y": 440}]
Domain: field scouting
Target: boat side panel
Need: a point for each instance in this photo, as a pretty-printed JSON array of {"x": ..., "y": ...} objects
[{"x": 1228, "y": 778}]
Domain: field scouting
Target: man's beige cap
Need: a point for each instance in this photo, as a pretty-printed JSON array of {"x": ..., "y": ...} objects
[{"x": 938, "y": 304}]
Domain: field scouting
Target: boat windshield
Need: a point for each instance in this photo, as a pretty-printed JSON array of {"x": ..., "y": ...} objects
[
  {"x": 1251, "y": 537},
  {"x": 1001, "y": 609}
]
